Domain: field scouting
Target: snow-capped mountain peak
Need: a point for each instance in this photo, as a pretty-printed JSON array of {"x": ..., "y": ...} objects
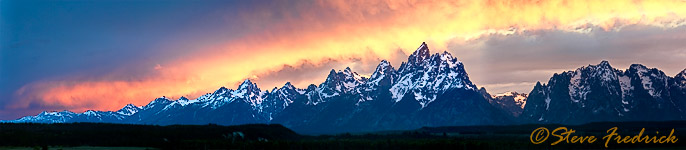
[
  {"x": 347, "y": 71},
  {"x": 158, "y": 102},
  {"x": 681, "y": 79},
  {"x": 68, "y": 116},
  {"x": 246, "y": 89},
  {"x": 604, "y": 63},
  {"x": 651, "y": 79},
  {"x": 681, "y": 75},
  {"x": 342, "y": 81},
  {"x": 288, "y": 91},
  {"x": 582, "y": 77},
  {"x": 383, "y": 70},
  {"x": 607, "y": 93},
  {"x": 511, "y": 102},
  {"x": 427, "y": 76},
  {"x": 419, "y": 55},
  {"x": 48, "y": 117},
  {"x": 129, "y": 110},
  {"x": 90, "y": 113},
  {"x": 518, "y": 98},
  {"x": 288, "y": 85},
  {"x": 220, "y": 91},
  {"x": 246, "y": 83},
  {"x": 603, "y": 70},
  {"x": 56, "y": 113},
  {"x": 383, "y": 67},
  {"x": 250, "y": 93}
]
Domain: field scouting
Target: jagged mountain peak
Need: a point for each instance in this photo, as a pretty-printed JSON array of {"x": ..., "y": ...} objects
[
  {"x": 422, "y": 59},
  {"x": 221, "y": 90},
  {"x": 129, "y": 110},
  {"x": 162, "y": 101},
  {"x": 247, "y": 84},
  {"x": 247, "y": 88},
  {"x": 90, "y": 113},
  {"x": 652, "y": 80},
  {"x": 519, "y": 98},
  {"x": 602, "y": 67},
  {"x": 681, "y": 75},
  {"x": 452, "y": 62},
  {"x": 420, "y": 54},
  {"x": 642, "y": 70},
  {"x": 344, "y": 81},
  {"x": 381, "y": 70},
  {"x": 347, "y": 70},
  {"x": 383, "y": 65},
  {"x": 604, "y": 63},
  {"x": 311, "y": 87},
  {"x": 47, "y": 117},
  {"x": 349, "y": 74},
  {"x": 288, "y": 85},
  {"x": 511, "y": 102},
  {"x": 638, "y": 66},
  {"x": 427, "y": 76},
  {"x": 582, "y": 81},
  {"x": 508, "y": 93},
  {"x": 289, "y": 90},
  {"x": 333, "y": 76},
  {"x": 482, "y": 90},
  {"x": 346, "y": 75},
  {"x": 250, "y": 93},
  {"x": 588, "y": 74},
  {"x": 57, "y": 113},
  {"x": 332, "y": 72},
  {"x": 131, "y": 106}
]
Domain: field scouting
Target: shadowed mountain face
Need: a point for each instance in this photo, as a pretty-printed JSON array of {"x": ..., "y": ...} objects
[
  {"x": 510, "y": 102},
  {"x": 602, "y": 93},
  {"x": 427, "y": 90}
]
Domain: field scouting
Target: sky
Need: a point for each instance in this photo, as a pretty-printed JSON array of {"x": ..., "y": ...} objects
[{"x": 102, "y": 55}]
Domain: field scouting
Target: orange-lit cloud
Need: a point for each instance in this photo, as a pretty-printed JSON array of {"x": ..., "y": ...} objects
[{"x": 319, "y": 31}]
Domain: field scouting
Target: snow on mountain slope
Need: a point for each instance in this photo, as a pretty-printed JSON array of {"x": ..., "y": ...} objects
[
  {"x": 517, "y": 98},
  {"x": 510, "y": 102},
  {"x": 129, "y": 110},
  {"x": 87, "y": 116},
  {"x": 606, "y": 94},
  {"x": 427, "y": 76}
]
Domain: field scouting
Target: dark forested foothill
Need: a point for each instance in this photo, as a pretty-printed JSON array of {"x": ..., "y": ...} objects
[{"x": 261, "y": 136}]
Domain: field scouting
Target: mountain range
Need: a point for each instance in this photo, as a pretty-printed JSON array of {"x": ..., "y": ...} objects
[
  {"x": 426, "y": 90},
  {"x": 602, "y": 93}
]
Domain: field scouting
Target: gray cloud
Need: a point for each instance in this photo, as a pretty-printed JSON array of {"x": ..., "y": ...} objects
[
  {"x": 515, "y": 62},
  {"x": 306, "y": 73}
]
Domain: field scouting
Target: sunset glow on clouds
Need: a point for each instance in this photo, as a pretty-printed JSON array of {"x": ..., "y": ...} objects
[{"x": 284, "y": 38}]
